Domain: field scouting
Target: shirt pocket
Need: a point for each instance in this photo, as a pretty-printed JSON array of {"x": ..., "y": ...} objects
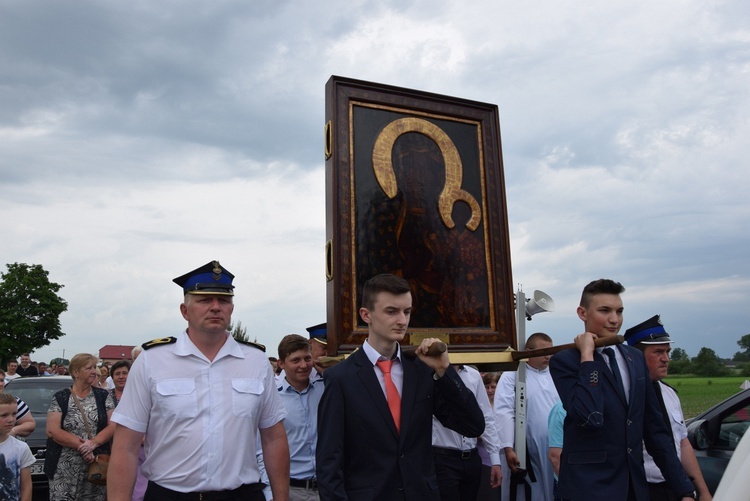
[
  {"x": 178, "y": 397},
  {"x": 246, "y": 397},
  {"x": 675, "y": 418}
]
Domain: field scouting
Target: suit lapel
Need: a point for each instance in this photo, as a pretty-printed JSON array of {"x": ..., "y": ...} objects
[{"x": 366, "y": 374}]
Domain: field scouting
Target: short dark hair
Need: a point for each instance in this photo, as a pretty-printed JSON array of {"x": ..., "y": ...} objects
[
  {"x": 291, "y": 343},
  {"x": 119, "y": 365},
  {"x": 601, "y": 286},
  {"x": 385, "y": 282},
  {"x": 534, "y": 339}
]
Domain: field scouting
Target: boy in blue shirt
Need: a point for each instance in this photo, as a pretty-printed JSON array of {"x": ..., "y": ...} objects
[{"x": 15, "y": 456}]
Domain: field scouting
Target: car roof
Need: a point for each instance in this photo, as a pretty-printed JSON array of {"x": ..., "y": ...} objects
[{"x": 36, "y": 380}]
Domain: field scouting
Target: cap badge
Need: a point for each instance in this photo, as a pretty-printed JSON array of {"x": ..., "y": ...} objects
[{"x": 216, "y": 272}]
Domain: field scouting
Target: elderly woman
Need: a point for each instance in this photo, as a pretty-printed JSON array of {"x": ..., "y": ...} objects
[
  {"x": 119, "y": 377},
  {"x": 79, "y": 428}
]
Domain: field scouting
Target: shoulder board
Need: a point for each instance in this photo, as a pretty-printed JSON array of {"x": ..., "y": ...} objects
[
  {"x": 254, "y": 345},
  {"x": 158, "y": 342},
  {"x": 669, "y": 385}
]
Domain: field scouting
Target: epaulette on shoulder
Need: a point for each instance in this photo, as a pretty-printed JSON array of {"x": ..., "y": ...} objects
[
  {"x": 254, "y": 345},
  {"x": 158, "y": 342}
]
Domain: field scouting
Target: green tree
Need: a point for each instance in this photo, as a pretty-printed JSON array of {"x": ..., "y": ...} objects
[
  {"x": 707, "y": 363},
  {"x": 678, "y": 354},
  {"x": 239, "y": 333},
  {"x": 744, "y": 343},
  {"x": 30, "y": 310},
  {"x": 679, "y": 362}
]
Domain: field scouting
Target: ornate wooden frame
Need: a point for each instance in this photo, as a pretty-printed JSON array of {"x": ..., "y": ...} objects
[{"x": 453, "y": 247}]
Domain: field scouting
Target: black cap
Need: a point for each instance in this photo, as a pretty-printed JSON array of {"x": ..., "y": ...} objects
[
  {"x": 210, "y": 278},
  {"x": 649, "y": 332}
]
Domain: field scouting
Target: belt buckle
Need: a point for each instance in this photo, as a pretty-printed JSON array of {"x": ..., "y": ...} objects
[
  {"x": 312, "y": 484},
  {"x": 465, "y": 454}
]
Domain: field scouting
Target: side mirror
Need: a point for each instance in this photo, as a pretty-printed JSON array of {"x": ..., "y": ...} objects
[{"x": 698, "y": 435}]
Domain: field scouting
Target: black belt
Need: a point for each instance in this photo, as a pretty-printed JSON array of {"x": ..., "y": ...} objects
[
  {"x": 455, "y": 452},
  {"x": 242, "y": 490},
  {"x": 309, "y": 484}
]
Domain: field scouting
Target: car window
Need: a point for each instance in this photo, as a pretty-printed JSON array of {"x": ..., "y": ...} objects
[
  {"x": 37, "y": 396},
  {"x": 733, "y": 427}
]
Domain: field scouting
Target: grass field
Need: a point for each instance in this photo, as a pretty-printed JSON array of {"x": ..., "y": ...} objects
[{"x": 699, "y": 393}]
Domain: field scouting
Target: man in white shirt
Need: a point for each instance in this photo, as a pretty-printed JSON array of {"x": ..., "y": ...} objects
[
  {"x": 11, "y": 373},
  {"x": 652, "y": 339},
  {"x": 541, "y": 396},
  {"x": 457, "y": 462},
  {"x": 200, "y": 400}
]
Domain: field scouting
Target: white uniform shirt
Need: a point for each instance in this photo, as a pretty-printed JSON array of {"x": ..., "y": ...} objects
[
  {"x": 541, "y": 396},
  {"x": 449, "y": 439},
  {"x": 679, "y": 431},
  {"x": 200, "y": 417}
]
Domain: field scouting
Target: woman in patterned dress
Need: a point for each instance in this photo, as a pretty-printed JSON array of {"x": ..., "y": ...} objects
[{"x": 70, "y": 450}]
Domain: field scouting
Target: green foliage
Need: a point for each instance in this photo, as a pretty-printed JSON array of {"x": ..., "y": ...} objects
[
  {"x": 678, "y": 354},
  {"x": 707, "y": 363},
  {"x": 30, "y": 310},
  {"x": 744, "y": 343},
  {"x": 744, "y": 369},
  {"x": 679, "y": 362},
  {"x": 60, "y": 361}
]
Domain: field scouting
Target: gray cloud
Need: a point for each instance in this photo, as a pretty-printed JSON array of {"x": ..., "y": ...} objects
[{"x": 140, "y": 140}]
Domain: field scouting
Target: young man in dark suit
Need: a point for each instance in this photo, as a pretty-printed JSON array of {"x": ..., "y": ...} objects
[
  {"x": 375, "y": 433},
  {"x": 612, "y": 411}
]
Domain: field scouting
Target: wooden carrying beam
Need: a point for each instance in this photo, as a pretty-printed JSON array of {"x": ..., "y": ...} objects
[{"x": 503, "y": 360}]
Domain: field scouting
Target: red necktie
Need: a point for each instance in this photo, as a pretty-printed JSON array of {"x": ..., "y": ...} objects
[{"x": 391, "y": 393}]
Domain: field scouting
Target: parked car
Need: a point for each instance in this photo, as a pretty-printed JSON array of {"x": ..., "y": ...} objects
[
  {"x": 37, "y": 392},
  {"x": 715, "y": 434}
]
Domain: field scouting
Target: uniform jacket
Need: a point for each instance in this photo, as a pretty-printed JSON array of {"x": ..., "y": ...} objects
[
  {"x": 360, "y": 456},
  {"x": 604, "y": 435}
]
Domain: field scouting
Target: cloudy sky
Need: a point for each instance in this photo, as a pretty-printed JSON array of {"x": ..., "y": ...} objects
[{"x": 141, "y": 139}]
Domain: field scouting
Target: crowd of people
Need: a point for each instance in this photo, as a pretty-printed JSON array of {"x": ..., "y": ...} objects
[
  {"x": 78, "y": 427},
  {"x": 203, "y": 416}
]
